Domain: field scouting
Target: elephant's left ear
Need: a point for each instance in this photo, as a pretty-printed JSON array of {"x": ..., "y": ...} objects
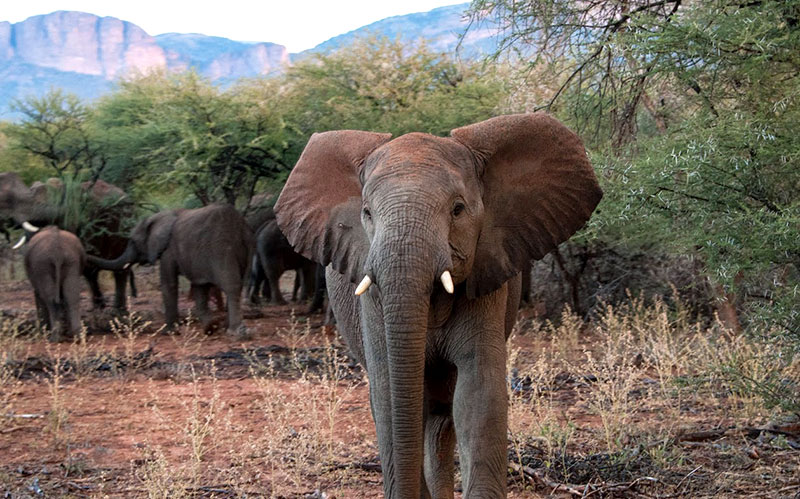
[{"x": 539, "y": 189}]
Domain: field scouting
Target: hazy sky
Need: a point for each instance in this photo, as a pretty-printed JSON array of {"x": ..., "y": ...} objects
[{"x": 297, "y": 24}]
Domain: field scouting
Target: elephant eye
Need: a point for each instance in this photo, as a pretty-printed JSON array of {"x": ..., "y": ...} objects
[
  {"x": 458, "y": 209},
  {"x": 367, "y": 214}
]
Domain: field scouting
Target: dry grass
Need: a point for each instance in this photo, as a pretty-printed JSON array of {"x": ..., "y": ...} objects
[{"x": 601, "y": 409}]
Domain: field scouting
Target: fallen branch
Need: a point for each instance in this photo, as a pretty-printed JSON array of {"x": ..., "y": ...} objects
[{"x": 587, "y": 490}]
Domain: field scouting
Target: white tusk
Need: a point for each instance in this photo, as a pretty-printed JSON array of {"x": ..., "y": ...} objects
[
  {"x": 126, "y": 266},
  {"x": 447, "y": 281},
  {"x": 363, "y": 285},
  {"x": 20, "y": 243},
  {"x": 29, "y": 226}
]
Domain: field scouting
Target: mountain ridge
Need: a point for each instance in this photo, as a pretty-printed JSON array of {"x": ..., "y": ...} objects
[{"x": 84, "y": 54}]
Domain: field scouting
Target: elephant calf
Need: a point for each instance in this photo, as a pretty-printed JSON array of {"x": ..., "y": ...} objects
[
  {"x": 211, "y": 246},
  {"x": 54, "y": 262}
]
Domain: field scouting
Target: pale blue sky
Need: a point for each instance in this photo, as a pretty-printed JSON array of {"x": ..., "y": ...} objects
[{"x": 297, "y": 24}]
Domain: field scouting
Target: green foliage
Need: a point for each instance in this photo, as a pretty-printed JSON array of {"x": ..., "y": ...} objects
[
  {"x": 386, "y": 86},
  {"x": 181, "y": 131},
  {"x": 55, "y": 130},
  {"x": 691, "y": 110}
]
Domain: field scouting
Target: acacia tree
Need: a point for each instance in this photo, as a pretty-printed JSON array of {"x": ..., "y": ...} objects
[
  {"x": 383, "y": 85},
  {"x": 180, "y": 131},
  {"x": 55, "y": 129}
]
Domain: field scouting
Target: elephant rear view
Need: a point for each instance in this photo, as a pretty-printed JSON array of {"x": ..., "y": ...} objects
[
  {"x": 54, "y": 262},
  {"x": 211, "y": 246}
]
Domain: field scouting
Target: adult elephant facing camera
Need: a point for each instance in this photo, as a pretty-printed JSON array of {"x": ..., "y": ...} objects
[
  {"x": 436, "y": 230},
  {"x": 210, "y": 246}
]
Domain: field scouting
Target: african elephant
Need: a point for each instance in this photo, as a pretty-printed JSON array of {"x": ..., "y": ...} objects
[
  {"x": 107, "y": 206},
  {"x": 54, "y": 261},
  {"x": 210, "y": 246},
  {"x": 436, "y": 231},
  {"x": 274, "y": 256}
]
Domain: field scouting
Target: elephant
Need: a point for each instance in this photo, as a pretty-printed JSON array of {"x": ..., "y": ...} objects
[
  {"x": 109, "y": 206},
  {"x": 54, "y": 260},
  {"x": 211, "y": 245},
  {"x": 274, "y": 256},
  {"x": 435, "y": 231}
]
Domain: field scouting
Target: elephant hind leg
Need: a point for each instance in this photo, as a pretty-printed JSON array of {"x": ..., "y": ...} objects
[
  {"x": 200, "y": 296},
  {"x": 70, "y": 295},
  {"x": 233, "y": 297}
]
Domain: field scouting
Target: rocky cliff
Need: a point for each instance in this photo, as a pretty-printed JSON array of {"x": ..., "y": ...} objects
[{"x": 83, "y": 53}]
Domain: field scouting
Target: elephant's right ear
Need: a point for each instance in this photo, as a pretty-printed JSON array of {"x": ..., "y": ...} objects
[
  {"x": 319, "y": 209},
  {"x": 159, "y": 231}
]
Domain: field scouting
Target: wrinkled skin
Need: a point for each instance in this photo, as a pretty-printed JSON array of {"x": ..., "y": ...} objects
[
  {"x": 211, "y": 246},
  {"x": 20, "y": 204},
  {"x": 274, "y": 256},
  {"x": 479, "y": 204},
  {"x": 54, "y": 260}
]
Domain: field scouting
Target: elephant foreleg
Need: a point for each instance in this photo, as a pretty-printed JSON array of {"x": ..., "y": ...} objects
[
  {"x": 233, "y": 297},
  {"x": 481, "y": 427},
  {"x": 91, "y": 274},
  {"x": 274, "y": 276},
  {"x": 440, "y": 441}
]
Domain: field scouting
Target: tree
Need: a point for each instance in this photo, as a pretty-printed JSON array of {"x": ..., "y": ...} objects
[
  {"x": 713, "y": 86},
  {"x": 181, "y": 131},
  {"x": 55, "y": 129},
  {"x": 383, "y": 85}
]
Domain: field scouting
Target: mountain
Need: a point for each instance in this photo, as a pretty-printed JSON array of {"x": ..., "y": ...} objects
[
  {"x": 440, "y": 28},
  {"x": 83, "y": 53}
]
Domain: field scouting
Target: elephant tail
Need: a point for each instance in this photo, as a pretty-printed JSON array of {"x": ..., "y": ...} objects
[{"x": 57, "y": 296}]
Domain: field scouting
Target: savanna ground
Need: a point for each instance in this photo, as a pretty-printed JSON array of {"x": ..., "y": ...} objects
[{"x": 633, "y": 404}]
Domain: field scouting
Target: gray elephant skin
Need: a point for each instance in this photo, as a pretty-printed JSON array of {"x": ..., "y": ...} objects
[
  {"x": 210, "y": 246},
  {"x": 274, "y": 256},
  {"x": 436, "y": 231},
  {"x": 54, "y": 261},
  {"x": 111, "y": 206}
]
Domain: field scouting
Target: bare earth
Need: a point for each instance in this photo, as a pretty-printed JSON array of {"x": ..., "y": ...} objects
[{"x": 134, "y": 412}]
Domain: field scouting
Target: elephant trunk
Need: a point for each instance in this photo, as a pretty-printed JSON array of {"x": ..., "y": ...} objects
[
  {"x": 406, "y": 282},
  {"x": 126, "y": 258}
]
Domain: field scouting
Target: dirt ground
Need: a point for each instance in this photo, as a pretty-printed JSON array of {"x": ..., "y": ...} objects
[{"x": 129, "y": 411}]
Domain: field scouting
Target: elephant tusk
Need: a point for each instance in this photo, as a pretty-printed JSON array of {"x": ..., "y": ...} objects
[
  {"x": 20, "y": 243},
  {"x": 29, "y": 227},
  {"x": 127, "y": 266},
  {"x": 363, "y": 285},
  {"x": 447, "y": 281}
]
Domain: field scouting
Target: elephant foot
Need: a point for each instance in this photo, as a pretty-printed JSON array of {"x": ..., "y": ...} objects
[
  {"x": 279, "y": 302},
  {"x": 56, "y": 336},
  {"x": 240, "y": 333},
  {"x": 98, "y": 303}
]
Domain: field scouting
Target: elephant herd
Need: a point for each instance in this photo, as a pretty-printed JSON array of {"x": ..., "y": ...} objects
[
  {"x": 423, "y": 240},
  {"x": 214, "y": 247}
]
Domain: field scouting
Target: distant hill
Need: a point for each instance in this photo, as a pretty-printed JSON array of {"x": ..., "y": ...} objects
[
  {"x": 440, "y": 28},
  {"x": 83, "y": 53}
]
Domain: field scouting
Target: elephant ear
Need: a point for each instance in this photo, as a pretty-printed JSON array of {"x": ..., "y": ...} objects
[
  {"x": 539, "y": 189},
  {"x": 319, "y": 209},
  {"x": 159, "y": 231}
]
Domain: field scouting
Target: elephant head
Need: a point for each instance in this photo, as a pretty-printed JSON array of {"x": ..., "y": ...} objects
[
  {"x": 147, "y": 242},
  {"x": 421, "y": 215},
  {"x": 23, "y": 205}
]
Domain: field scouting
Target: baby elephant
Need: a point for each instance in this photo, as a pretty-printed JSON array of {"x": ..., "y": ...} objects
[{"x": 54, "y": 262}]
